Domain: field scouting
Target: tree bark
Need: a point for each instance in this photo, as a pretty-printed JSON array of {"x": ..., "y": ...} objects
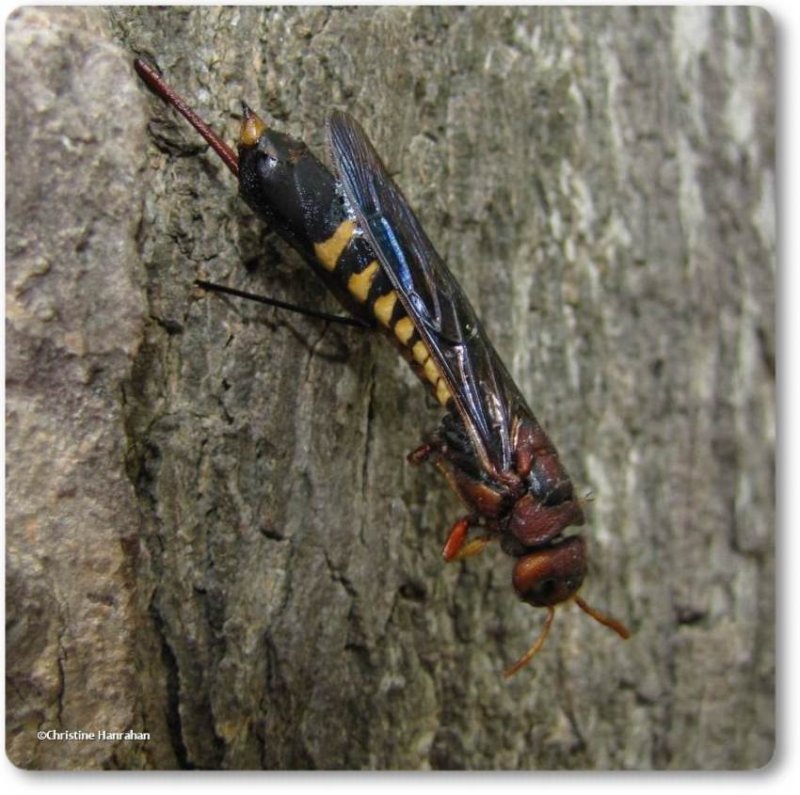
[{"x": 213, "y": 534}]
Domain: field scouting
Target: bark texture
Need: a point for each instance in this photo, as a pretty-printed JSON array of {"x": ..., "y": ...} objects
[{"x": 213, "y": 534}]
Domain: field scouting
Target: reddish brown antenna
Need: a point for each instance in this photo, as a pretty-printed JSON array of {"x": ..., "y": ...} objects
[
  {"x": 601, "y": 618},
  {"x": 534, "y": 650}
]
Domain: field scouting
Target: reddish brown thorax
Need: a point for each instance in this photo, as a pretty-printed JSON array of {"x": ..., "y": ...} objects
[{"x": 534, "y": 524}]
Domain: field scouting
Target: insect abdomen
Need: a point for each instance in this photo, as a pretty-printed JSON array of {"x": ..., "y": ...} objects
[
  {"x": 285, "y": 184},
  {"x": 350, "y": 258}
]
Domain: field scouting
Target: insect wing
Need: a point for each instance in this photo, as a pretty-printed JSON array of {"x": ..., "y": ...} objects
[{"x": 485, "y": 395}]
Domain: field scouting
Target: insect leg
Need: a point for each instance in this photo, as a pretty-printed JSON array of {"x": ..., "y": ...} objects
[
  {"x": 457, "y": 547},
  {"x": 475, "y": 547},
  {"x": 261, "y": 299},
  {"x": 456, "y": 539},
  {"x": 422, "y": 453}
]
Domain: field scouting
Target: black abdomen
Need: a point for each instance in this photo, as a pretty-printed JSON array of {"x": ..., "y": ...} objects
[{"x": 291, "y": 189}]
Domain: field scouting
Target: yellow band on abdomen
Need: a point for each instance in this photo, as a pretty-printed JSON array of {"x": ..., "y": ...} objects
[{"x": 329, "y": 251}]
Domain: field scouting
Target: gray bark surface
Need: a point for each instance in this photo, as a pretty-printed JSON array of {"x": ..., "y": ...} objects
[{"x": 213, "y": 535}]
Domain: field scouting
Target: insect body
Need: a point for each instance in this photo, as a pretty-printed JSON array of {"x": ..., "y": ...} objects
[{"x": 358, "y": 233}]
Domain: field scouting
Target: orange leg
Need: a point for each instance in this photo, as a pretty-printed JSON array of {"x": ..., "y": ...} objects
[
  {"x": 474, "y": 547},
  {"x": 457, "y": 547},
  {"x": 456, "y": 539},
  {"x": 421, "y": 454}
]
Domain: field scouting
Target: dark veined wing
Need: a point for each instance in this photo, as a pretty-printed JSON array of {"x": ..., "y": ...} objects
[{"x": 485, "y": 395}]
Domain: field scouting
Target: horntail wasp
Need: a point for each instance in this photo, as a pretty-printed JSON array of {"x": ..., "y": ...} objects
[{"x": 356, "y": 230}]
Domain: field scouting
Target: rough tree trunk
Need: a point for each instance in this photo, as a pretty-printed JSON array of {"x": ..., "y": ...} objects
[{"x": 213, "y": 534}]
